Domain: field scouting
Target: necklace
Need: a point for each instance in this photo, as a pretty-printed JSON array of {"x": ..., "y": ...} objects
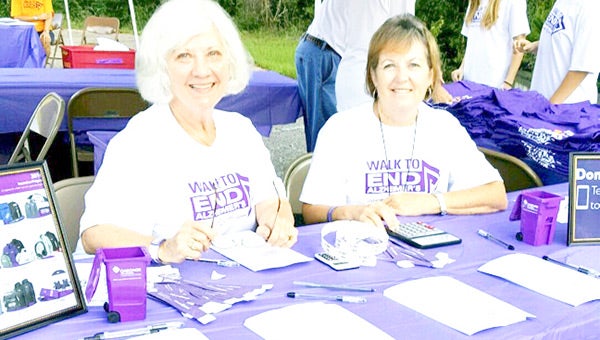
[{"x": 412, "y": 151}]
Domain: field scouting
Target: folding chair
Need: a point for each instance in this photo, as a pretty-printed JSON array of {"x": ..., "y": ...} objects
[
  {"x": 94, "y": 26},
  {"x": 58, "y": 39},
  {"x": 293, "y": 180},
  {"x": 516, "y": 174},
  {"x": 44, "y": 124},
  {"x": 69, "y": 199},
  {"x": 94, "y": 104}
]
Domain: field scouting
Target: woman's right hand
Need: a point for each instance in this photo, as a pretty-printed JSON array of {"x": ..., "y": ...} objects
[
  {"x": 190, "y": 242},
  {"x": 375, "y": 213}
]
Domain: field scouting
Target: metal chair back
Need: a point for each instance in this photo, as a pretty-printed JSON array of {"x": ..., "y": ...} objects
[
  {"x": 44, "y": 123},
  {"x": 98, "y": 103},
  {"x": 517, "y": 175}
]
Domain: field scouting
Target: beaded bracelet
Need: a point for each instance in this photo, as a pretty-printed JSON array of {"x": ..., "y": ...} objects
[{"x": 330, "y": 214}]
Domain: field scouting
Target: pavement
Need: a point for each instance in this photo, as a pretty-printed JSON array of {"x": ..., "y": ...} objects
[{"x": 286, "y": 142}]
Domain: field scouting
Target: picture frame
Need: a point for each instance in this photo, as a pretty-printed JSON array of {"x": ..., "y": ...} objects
[
  {"x": 584, "y": 198},
  {"x": 38, "y": 279}
]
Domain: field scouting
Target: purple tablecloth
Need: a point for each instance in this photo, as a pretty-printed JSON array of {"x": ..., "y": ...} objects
[
  {"x": 21, "y": 46},
  {"x": 100, "y": 141},
  {"x": 270, "y": 98},
  {"x": 554, "y": 319}
]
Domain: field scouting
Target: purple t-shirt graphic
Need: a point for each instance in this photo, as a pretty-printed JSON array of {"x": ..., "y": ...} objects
[
  {"x": 400, "y": 175},
  {"x": 219, "y": 196}
]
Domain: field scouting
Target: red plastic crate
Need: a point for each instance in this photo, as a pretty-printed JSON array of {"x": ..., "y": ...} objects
[{"x": 85, "y": 57}]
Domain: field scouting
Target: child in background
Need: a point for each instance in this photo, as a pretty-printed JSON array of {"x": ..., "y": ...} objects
[
  {"x": 566, "y": 71},
  {"x": 490, "y": 27}
]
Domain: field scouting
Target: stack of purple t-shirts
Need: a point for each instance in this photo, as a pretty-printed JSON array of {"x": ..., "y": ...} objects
[{"x": 525, "y": 124}]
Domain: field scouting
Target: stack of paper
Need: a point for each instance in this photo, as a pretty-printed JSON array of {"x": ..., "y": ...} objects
[
  {"x": 560, "y": 283},
  {"x": 315, "y": 320},
  {"x": 455, "y": 304},
  {"x": 251, "y": 251}
]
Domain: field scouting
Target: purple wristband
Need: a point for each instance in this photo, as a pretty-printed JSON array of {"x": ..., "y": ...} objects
[{"x": 330, "y": 214}]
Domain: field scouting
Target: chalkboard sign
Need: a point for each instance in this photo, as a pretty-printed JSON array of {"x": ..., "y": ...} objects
[{"x": 584, "y": 198}]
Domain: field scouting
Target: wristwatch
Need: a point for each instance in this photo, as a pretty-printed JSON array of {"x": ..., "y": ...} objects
[
  {"x": 442, "y": 202},
  {"x": 153, "y": 249}
]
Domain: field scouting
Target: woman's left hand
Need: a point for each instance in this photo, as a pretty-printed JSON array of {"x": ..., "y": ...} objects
[{"x": 276, "y": 226}]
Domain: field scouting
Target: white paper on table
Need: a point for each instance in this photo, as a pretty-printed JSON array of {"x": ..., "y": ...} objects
[
  {"x": 251, "y": 251},
  {"x": 313, "y": 320},
  {"x": 547, "y": 278},
  {"x": 455, "y": 304}
]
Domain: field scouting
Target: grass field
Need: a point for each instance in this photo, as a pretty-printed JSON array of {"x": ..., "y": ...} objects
[{"x": 273, "y": 50}]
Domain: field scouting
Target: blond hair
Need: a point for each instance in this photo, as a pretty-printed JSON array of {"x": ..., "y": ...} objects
[{"x": 489, "y": 17}]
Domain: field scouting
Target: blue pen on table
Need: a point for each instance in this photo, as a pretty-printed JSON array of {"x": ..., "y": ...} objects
[
  {"x": 222, "y": 263},
  {"x": 342, "y": 298},
  {"x": 333, "y": 286},
  {"x": 581, "y": 269},
  {"x": 135, "y": 331},
  {"x": 489, "y": 236}
]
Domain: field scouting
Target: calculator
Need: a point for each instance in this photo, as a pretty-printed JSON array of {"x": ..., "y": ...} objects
[
  {"x": 422, "y": 235},
  {"x": 335, "y": 262}
]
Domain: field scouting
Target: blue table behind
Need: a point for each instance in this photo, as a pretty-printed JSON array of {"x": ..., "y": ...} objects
[
  {"x": 21, "y": 45},
  {"x": 554, "y": 319},
  {"x": 270, "y": 98}
]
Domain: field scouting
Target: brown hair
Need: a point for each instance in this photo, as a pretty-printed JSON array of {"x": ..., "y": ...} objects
[{"x": 403, "y": 30}]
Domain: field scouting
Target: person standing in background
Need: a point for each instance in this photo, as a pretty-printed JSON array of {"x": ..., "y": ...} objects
[
  {"x": 490, "y": 27},
  {"x": 38, "y": 12},
  {"x": 317, "y": 57},
  {"x": 366, "y": 17},
  {"x": 568, "y": 55}
]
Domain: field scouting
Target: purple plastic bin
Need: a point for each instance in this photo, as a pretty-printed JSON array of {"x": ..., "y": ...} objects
[
  {"x": 125, "y": 280},
  {"x": 537, "y": 211}
]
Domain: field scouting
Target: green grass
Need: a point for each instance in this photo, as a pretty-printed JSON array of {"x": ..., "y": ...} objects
[{"x": 273, "y": 49}]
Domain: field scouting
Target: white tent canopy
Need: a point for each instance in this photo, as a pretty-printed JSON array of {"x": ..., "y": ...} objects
[{"x": 131, "y": 12}]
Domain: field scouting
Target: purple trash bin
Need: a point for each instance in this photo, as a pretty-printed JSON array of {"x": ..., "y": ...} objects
[
  {"x": 125, "y": 280},
  {"x": 537, "y": 211}
]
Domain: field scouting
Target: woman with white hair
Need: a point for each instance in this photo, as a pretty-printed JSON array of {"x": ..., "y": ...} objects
[{"x": 182, "y": 172}]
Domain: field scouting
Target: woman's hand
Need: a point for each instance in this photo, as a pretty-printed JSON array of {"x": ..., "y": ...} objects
[
  {"x": 276, "y": 223},
  {"x": 413, "y": 203},
  {"x": 524, "y": 46},
  {"x": 190, "y": 242},
  {"x": 457, "y": 74},
  {"x": 375, "y": 213}
]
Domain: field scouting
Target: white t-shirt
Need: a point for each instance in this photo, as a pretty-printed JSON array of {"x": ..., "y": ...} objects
[
  {"x": 154, "y": 176},
  {"x": 350, "y": 164},
  {"x": 365, "y": 18},
  {"x": 329, "y": 24},
  {"x": 569, "y": 42},
  {"x": 489, "y": 51}
]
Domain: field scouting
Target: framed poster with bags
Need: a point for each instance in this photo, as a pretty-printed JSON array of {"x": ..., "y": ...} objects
[
  {"x": 38, "y": 279},
  {"x": 584, "y": 198}
]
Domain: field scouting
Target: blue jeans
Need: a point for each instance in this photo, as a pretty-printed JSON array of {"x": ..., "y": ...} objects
[{"x": 316, "y": 68}]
